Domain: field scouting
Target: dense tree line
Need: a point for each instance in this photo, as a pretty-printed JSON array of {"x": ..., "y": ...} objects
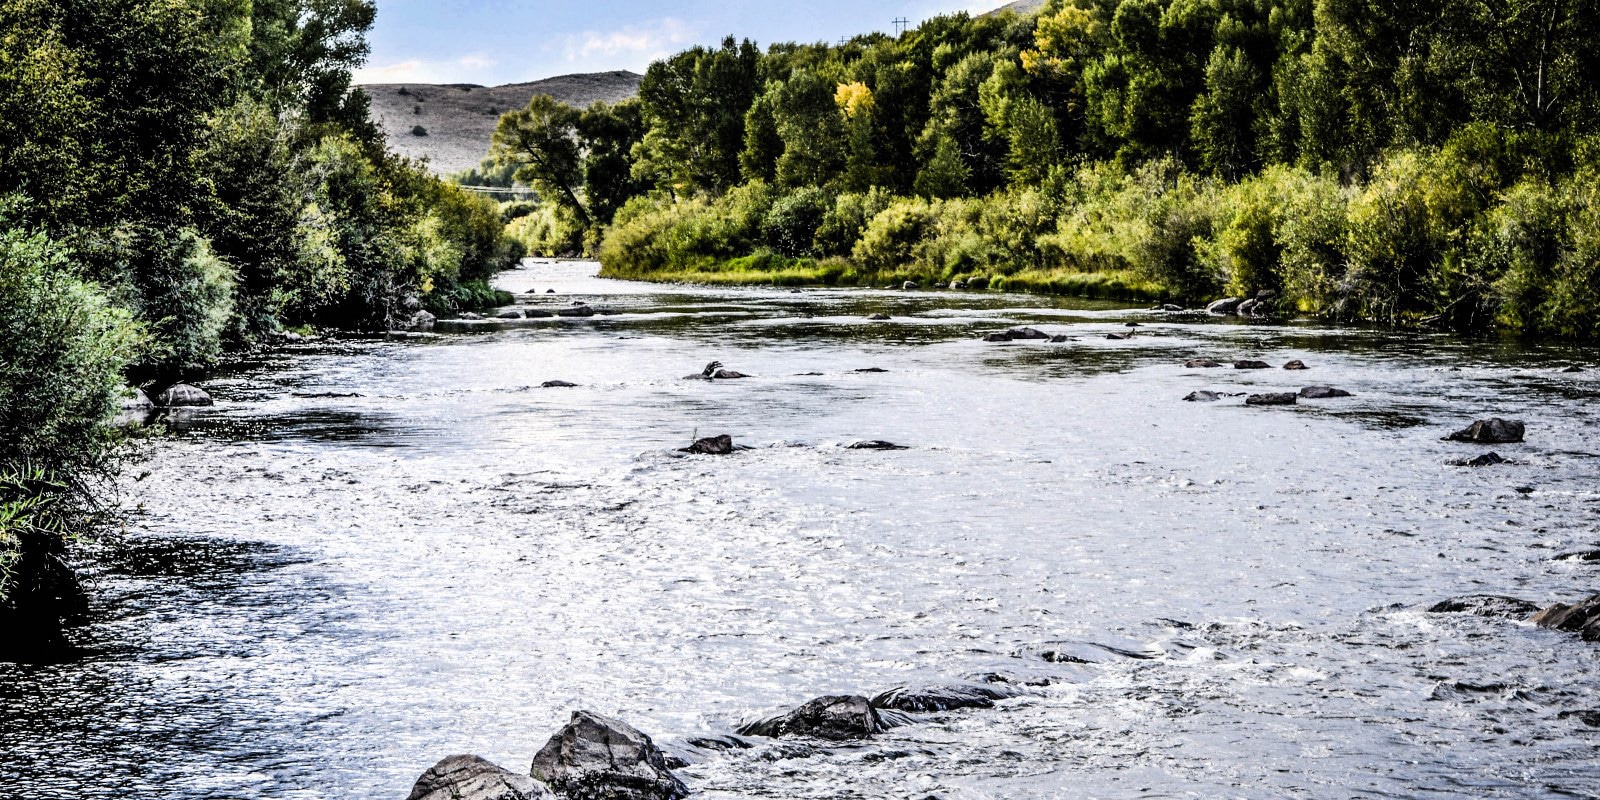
[
  {"x": 1429, "y": 161},
  {"x": 179, "y": 178}
]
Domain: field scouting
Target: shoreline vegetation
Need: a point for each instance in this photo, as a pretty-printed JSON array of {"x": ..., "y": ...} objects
[
  {"x": 181, "y": 180},
  {"x": 1433, "y": 165}
]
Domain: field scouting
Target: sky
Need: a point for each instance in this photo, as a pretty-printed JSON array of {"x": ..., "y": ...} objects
[{"x": 493, "y": 42}]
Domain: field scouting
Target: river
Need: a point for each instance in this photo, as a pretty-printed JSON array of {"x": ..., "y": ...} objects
[{"x": 372, "y": 554}]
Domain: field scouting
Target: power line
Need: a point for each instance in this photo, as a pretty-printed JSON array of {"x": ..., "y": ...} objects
[{"x": 900, "y": 25}]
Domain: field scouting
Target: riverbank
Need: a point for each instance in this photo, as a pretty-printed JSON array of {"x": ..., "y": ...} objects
[{"x": 804, "y": 272}]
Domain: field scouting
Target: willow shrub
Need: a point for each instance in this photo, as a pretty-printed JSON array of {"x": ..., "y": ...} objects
[{"x": 64, "y": 345}]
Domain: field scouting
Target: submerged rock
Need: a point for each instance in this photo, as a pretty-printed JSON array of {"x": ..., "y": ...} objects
[
  {"x": 927, "y": 699},
  {"x": 1573, "y": 369},
  {"x": 1248, "y": 364},
  {"x": 1201, "y": 363},
  {"x": 835, "y": 717},
  {"x": 511, "y": 314},
  {"x": 879, "y": 318},
  {"x": 1061, "y": 339},
  {"x": 576, "y": 311},
  {"x": 711, "y": 446},
  {"x": 1295, "y": 365},
  {"x": 473, "y": 778},
  {"x": 728, "y": 375},
  {"x": 996, "y": 337},
  {"x": 182, "y": 395},
  {"x": 870, "y": 370},
  {"x": 1490, "y": 431},
  {"x": 1485, "y": 605},
  {"x": 557, "y": 385},
  {"x": 1272, "y": 399},
  {"x": 1582, "y": 618},
  {"x": 1203, "y": 396},
  {"x": 1120, "y": 336},
  {"x": 1323, "y": 392},
  {"x": 1488, "y": 459},
  {"x": 598, "y": 758},
  {"x": 537, "y": 313},
  {"x": 1226, "y": 305},
  {"x": 876, "y": 444},
  {"x": 1027, "y": 334},
  {"x": 469, "y": 316}
]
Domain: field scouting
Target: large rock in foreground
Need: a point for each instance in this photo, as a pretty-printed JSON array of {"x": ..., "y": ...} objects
[
  {"x": 1490, "y": 431},
  {"x": 472, "y": 778},
  {"x": 1486, "y": 605},
  {"x": 926, "y": 699},
  {"x": 1582, "y": 618},
  {"x": 597, "y": 758},
  {"x": 835, "y": 717}
]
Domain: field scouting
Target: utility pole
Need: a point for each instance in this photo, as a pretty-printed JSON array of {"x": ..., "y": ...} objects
[{"x": 900, "y": 25}]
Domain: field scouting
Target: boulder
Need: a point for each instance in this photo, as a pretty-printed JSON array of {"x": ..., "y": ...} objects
[
  {"x": 1226, "y": 305},
  {"x": 1296, "y": 364},
  {"x": 1490, "y": 431},
  {"x": 420, "y": 322},
  {"x": 511, "y": 314},
  {"x": 1488, "y": 459},
  {"x": 1201, "y": 363},
  {"x": 958, "y": 284},
  {"x": 469, "y": 315},
  {"x": 182, "y": 395},
  {"x": 876, "y": 444},
  {"x": 1247, "y": 308},
  {"x": 1060, "y": 339},
  {"x": 1581, "y": 555},
  {"x": 711, "y": 446},
  {"x": 1272, "y": 399},
  {"x": 727, "y": 375},
  {"x": 549, "y": 291},
  {"x": 536, "y": 313},
  {"x": 597, "y": 758},
  {"x": 576, "y": 311},
  {"x": 1582, "y": 618},
  {"x": 1204, "y": 397},
  {"x": 1573, "y": 369},
  {"x": 927, "y": 699},
  {"x": 1485, "y": 605},
  {"x": 1120, "y": 336},
  {"x": 1027, "y": 334},
  {"x": 557, "y": 385},
  {"x": 1323, "y": 392},
  {"x": 1248, "y": 364},
  {"x": 909, "y": 285},
  {"x": 135, "y": 401},
  {"x": 835, "y": 718},
  {"x": 472, "y": 778}
]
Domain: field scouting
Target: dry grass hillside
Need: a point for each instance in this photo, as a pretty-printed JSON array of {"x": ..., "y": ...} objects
[
  {"x": 460, "y": 118},
  {"x": 1020, "y": 7}
]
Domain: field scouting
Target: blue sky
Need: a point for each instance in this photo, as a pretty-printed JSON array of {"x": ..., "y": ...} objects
[{"x": 505, "y": 41}]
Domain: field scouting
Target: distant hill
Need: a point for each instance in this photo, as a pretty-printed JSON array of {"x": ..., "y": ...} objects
[
  {"x": 1020, "y": 6},
  {"x": 460, "y": 118}
]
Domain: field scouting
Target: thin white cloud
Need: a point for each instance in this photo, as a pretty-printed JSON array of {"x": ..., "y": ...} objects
[
  {"x": 471, "y": 68},
  {"x": 631, "y": 45}
]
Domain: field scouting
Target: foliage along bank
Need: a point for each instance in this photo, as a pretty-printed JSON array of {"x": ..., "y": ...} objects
[
  {"x": 178, "y": 179},
  {"x": 1429, "y": 161}
]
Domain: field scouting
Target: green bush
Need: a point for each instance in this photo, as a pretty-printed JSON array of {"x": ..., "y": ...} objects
[
  {"x": 64, "y": 345},
  {"x": 790, "y": 225},
  {"x": 185, "y": 295}
]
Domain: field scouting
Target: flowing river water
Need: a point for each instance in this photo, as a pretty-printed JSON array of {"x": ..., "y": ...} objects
[{"x": 373, "y": 554}]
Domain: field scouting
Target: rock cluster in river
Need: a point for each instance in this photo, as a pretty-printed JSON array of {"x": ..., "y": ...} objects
[
  {"x": 1582, "y": 617},
  {"x": 1490, "y": 431}
]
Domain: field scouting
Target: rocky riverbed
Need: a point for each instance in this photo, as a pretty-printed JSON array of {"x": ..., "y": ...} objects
[{"x": 370, "y": 555}]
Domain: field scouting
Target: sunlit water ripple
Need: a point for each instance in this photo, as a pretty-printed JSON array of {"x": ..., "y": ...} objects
[{"x": 318, "y": 597}]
